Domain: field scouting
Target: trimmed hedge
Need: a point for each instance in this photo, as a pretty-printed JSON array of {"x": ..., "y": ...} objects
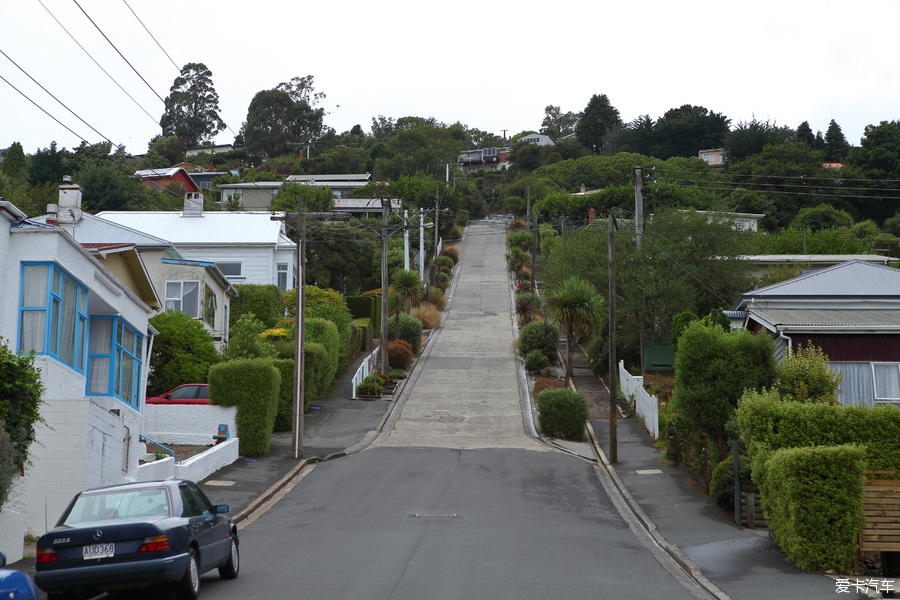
[
  {"x": 536, "y": 361},
  {"x": 326, "y": 333},
  {"x": 563, "y": 413},
  {"x": 361, "y": 307},
  {"x": 812, "y": 498},
  {"x": 253, "y": 386},
  {"x": 264, "y": 301},
  {"x": 765, "y": 423}
]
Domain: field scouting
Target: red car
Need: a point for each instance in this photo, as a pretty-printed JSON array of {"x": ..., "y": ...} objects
[{"x": 188, "y": 393}]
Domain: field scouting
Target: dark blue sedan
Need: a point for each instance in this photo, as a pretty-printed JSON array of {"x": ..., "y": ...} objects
[{"x": 137, "y": 534}]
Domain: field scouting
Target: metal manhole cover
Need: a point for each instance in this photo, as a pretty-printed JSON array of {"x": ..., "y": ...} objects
[{"x": 434, "y": 515}]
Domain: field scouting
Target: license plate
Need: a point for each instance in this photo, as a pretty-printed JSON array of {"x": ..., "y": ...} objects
[{"x": 98, "y": 551}]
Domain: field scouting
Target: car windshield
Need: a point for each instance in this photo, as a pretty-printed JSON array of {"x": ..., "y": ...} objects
[
  {"x": 118, "y": 505},
  {"x": 185, "y": 391}
]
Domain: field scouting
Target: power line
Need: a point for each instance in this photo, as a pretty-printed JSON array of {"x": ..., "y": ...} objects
[
  {"x": 150, "y": 34},
  {"x": 41, "y": 109},
  {"x": 119, "y": 53},
  {"x": 111, "y": 78}
]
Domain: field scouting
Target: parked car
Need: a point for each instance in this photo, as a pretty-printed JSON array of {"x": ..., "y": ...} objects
[
  {"x": 15, "y": 585},
  {"x": 137, "y": 534},
  {"x": 188, "y": 393}
]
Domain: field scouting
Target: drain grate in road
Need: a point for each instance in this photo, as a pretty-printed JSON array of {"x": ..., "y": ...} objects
[{"x": 434, "y": 515}]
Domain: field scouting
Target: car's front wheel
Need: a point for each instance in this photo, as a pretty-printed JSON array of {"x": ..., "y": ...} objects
[
  {"x": 231, "y": 568},
  {"x": 189, "y": 586}
]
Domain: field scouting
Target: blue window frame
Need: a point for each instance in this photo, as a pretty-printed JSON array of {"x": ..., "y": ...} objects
[
  {"x": 114, "y": 360},
  {"x": 53, "y": 314}
]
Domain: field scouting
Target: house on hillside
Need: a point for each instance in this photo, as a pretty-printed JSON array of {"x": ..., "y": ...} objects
[
  {"x": 256, "y": 195},
  {"x": 342, "y": 186},
  {"x": 91, "y": 338},
  {"x": 246, "y": 247},
  {"x": 160, "y": 179},
  {"x": 483, "y": 159},
  {"x": 714, "y": 157},
  {"x": 851, "y": 311},
  {"x": 169, "y": 282}
]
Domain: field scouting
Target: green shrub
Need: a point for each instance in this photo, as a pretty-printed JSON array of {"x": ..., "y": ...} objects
[
  {"x": 539, "y": 335},
  {"x": 563, "y": 413},
  {"x": 253, "y": 385},
  {"x": 182, "y": 352},
  {"x": 9, "y": 468},
  {"x": 714, "y": 367},
  {"x": 536, "y": 361},
  {"x": 315, "y": 372},
  {"x": 284, "y": 417},
  {"x": 244, "y": 340},
  {"x": 812, "y": 498},
  {"x": 520, "y": 240},
  {"x": 442, "y": 277},
  {"x": 397, "y": 374},
  {"x": 804, "y": 376},
  {"x": 721, "y": 486},
  {"x": 400, "y": 354},
  {"x": 410, "y": 330},
  {"x": 264, "y": 301},
  {"x": 325, "y": 332},
  {"x": 21, "y": 392},
  {"x": 330, "y": 305},
  {"x": 372, "y": 385},
  {"x": 442, "y": 261}
]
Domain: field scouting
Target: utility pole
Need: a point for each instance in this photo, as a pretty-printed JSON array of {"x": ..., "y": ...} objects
[
  {"x": 613, "y": 412},
  {"x": 422, "y": 248},
  {"x": 406, "y": 241},
  {"x": 385, "y": 212},
  {"x": 437, "y": 218},
  {"x": 638, "y": 207}
]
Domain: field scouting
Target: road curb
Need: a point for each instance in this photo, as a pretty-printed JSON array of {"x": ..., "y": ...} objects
[{"x": 689, "y": 566}]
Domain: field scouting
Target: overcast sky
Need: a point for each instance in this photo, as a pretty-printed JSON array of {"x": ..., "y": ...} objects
[{"x": 490, "y": 65}]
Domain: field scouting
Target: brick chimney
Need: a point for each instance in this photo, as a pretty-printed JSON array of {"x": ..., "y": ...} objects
[{"x": 69, "y": 206}]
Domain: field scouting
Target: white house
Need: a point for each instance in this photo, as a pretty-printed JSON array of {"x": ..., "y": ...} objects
[
  {"x": 91, "y": 339},
  {"x": 169, "y": 281},
  {"x": 247, "y": 247}
]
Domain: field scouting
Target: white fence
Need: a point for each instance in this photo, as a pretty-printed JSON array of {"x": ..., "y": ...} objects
[
  {"x": 365, "y": 369},
  {"x": 645, "y": 405}
]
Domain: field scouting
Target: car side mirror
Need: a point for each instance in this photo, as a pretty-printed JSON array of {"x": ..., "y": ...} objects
[
  {"x": 220, "y": 509},
  {"x": 167, "y": 395}
]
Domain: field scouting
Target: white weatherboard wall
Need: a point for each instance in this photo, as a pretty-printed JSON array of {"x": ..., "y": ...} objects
[
  {"x": 193, "y": 424},
  {"x": 12, "y": 521}
]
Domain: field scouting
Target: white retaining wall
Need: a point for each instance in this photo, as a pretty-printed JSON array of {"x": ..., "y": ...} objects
[
  {"x": 192, "y": 424},
  {"x": 196, "y": 468},
  {"x": 12, "y": 521}
]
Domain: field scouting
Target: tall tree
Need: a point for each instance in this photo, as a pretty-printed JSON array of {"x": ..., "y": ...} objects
[
  {"x": 836, "y": 146},
  {"x": 805, "y": 134},
  {"x": 749, "y": 138},
  {"x": 686, "y": 130},
  {"x": 558, "y": 124},
  {"x": 48, "y": 165},
  {"x": 302, "y": 89},
  {"x": 270, "y": 126},
  {"x": 13, "y": 160},
  {"x": 192, "y": 107},
  {"x": 598, "y": 121},
  {"x": 165, "y": 151}
]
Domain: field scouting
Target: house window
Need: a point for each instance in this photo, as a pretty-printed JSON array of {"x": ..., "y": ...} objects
[
  {"x": 53, "y": 314},
  {"x": 183, "y": 297},
  {"x": 230, "y": 269},
  {"x": 114, "y": 360},
  {"x": 209, "y": 307},
  {"x": 887, "y": 382},
  {"x": 282, "y": 276}
]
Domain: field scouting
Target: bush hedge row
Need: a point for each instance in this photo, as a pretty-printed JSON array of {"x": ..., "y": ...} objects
[
  {"x": 253, "y": 386},
  {"x": 812, "y": 498}
]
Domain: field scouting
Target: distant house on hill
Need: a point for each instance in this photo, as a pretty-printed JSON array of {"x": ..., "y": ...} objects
[{"x": 159, "y": 179}]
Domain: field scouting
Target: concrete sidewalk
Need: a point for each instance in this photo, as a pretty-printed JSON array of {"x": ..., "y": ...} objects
[{"x": 743, "y": 564}]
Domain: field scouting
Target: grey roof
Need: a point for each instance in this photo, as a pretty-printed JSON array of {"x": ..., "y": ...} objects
[
  {"x": 807, "y": 318},
  {"x": 96, "y": 230},
  {"x": 225, "y": 228},
  {"x": 853, "y": 278},
  {"x": 364, "y": 177}
]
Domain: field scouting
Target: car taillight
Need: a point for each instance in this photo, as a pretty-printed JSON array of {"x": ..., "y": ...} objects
[
  {"x": 153, "y": 544},
  {"x": 45, "y": 555}
]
